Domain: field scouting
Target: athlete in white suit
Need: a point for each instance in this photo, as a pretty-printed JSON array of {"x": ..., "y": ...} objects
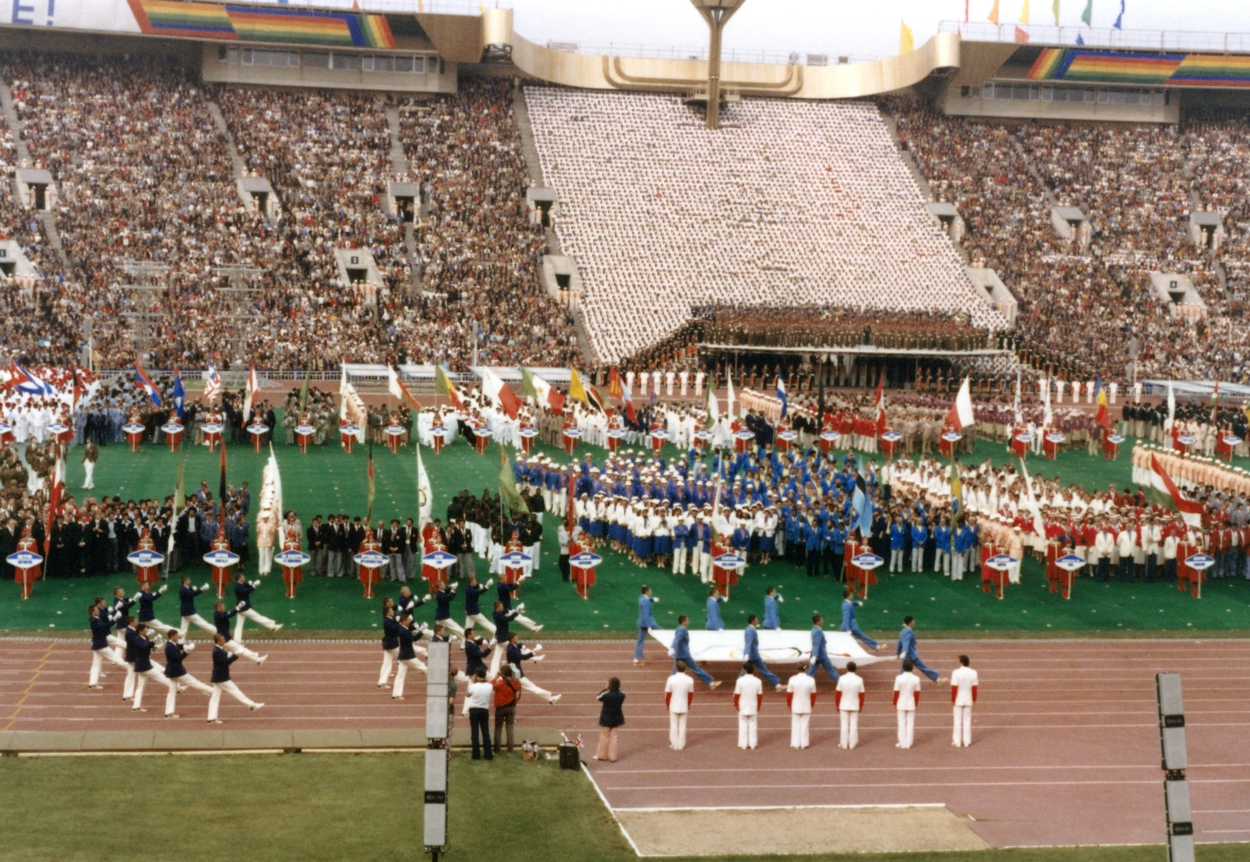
[
  {"x": 801, "y": 697},
  {"x": 963, "y": 696}
]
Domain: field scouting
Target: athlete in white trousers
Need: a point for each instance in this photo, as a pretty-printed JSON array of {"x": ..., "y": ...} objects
[
  {"x": 101, "y": 634},
  {"x": 175, "y": 652},
  {"x": 748, "y": 695},
  {"x": 250, "y": 613},
  {"x": 187, "y": 594},
  {"x": 963, "y": 696},
  {"x": 678, "y": 694},
  {"x": 850, "y": 697},
  {"x": 906, "y": 698},
  {"x": 800, "y": 697},
  {"x": 144, "y": 668},
  {"x": 222, "y": 660}
]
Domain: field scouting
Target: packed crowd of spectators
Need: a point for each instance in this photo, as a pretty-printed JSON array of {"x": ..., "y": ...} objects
[{"x": 831, "y": 326}]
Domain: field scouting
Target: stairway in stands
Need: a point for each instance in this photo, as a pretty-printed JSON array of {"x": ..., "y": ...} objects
[
  {"x": 530, "y": 151},
  {"x": 47, "y": 217},
  {"x": 399, "y": 167}
]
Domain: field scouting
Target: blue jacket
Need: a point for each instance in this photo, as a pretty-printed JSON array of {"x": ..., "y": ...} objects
[
  {"x": 407, "y": 637},
  {"x": 502, "y": 618},
  {"x": 186, "y": 599},
  {"x": 473, "y": 658},
  {"x": 942, "y": 537},
  {"x": 390, "y": 633},
  {"x": 99, "y": 632},
  {"x": 645, "y": 620},
  {"x": 174, "y": 654},
  {"x": 714, "y": 623},
  {"x": 907, "y": 643},
  {"x": 442, "y": 604},
  {"x": 143, "y": 652},
  {"x": 819, "y": 653},
  {"x": 919, "y": 535},
  {"x": 129, "y": 635},
  {"x": 681, "y": 643},
  {"x": 221, "y": 619},
  {"x": 221, "y": 664},
  {"x": 848, "y": 614},
  {"x": 505, "y": 592},
  {"x": 406, "y": 605},
  {"x": 751, "y": 647},
  {"x": 146, "y": 614},
  {"x": 242, "y": 591},
  {"x": 471, "y": 595},
  {"x": 772, "y": 618},
  {"x": 898, "y": 536}
]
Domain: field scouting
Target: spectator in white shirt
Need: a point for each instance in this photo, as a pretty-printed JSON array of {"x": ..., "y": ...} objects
[
  {"x": 477, "y": 701},
  {"x": 963, "y": 696},
  {"x": 906, "y": 698}
]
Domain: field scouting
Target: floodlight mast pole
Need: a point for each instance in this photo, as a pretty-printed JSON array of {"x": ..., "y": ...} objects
[{"x": 717, "y": 14}]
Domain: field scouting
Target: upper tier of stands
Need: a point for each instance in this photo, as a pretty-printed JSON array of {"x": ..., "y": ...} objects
[{"x": 789, "y": 203}]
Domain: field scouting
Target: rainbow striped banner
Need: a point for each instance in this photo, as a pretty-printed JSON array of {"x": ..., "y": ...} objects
[
  {"x": 254, "y": 24},
  {"x": 1212, "y": 70},
  {"x": 1059, "y": 64},
  {"x": 1047, "y": 65}
]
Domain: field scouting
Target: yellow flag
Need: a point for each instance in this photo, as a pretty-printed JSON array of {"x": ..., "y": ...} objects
[
  {"x": 906, "y": 41},
  {"x": 576, "y": 390},
  {"x": 1024, "y": 13},
  {"x": 994, "y": 13}
]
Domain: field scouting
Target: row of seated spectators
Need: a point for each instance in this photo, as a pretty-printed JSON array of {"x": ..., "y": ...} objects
[
  {"x": 829, "y": 326},
  {"x": 145, "y": 176},
  {"x": 1080, "y": 306}
]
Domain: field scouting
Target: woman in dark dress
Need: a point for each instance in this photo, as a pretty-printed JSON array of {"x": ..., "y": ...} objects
[{"x": 610, "y": 720}]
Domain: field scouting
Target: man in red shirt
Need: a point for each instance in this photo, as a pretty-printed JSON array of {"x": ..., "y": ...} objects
[{"x": 507, "y": 695}]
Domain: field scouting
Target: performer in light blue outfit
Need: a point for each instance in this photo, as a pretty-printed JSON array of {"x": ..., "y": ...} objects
[
  {"x": 645, "y": 621},
  {"x": 714, "y": 600},
  {"x": 681, "y": 652},
  {"x": 849, "y": 604},
  {"x": 907, "y": 649},
  {"x": 772, "y": 616},
  {"x": 820, "y": 655},
  {"x": 751, "y": 650}
]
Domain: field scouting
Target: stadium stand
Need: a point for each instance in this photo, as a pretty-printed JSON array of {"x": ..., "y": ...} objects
[{"x": 788, "y": 204}]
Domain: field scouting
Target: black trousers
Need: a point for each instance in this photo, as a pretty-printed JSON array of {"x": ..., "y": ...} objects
[{"x": 479, "y": 725}]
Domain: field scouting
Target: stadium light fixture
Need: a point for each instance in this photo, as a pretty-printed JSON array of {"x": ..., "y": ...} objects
[{"x": 717, "y": 14}]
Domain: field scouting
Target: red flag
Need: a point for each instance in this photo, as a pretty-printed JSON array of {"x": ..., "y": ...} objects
[
  {"x": 614, "y": 384},
  {"x": 54, "y": 502},
  {"x": 1022, "y": 35},
  {"x": 881, "y": 403}
]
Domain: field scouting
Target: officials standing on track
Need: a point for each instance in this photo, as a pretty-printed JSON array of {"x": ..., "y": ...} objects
[
  {"x": 906, "y": 699},
  {"x": 801, "y": 698},
  {"x": 963, "y": 696}
]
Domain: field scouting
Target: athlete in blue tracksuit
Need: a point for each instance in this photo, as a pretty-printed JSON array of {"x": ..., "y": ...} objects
[
  {"x": 645, "y": 621},
  {"x": 772, "y": 602},
  {"x": 907, "y": 649},
  {"x": 848, "y": 619},
  {"x": 751, "y": 649},
  {"x": 820, "y": 655},
  {"x": 714, "y": 600},
  {"x": 681, "y": 652}
]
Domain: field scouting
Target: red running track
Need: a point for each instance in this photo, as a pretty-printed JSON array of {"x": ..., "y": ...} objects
[{"x": 1065, "y": 741}]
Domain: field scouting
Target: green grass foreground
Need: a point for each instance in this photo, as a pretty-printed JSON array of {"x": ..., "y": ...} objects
[{"x": 357, "y": 807}]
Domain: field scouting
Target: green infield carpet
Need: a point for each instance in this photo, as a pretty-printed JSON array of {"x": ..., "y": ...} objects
[{"x": 327, "y": 479}]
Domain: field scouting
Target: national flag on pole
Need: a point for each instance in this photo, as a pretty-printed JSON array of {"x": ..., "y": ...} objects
[
  {"x": 594, "y": 399},
  {"x": 1170, "y": 495},
  {"x": 1039, "y": 526},
  {"x": 221, "y": 488},
  {"x": 277, "y": 476},
  {"x": 142, "y": 381},
  {"x": 508, "y": 494},
  {"x": 1119, "y": 19},
  {"x": 253, "y": 387},
  {"x": 906, "y": 39},
  {"x": 1215, "y": 404},
  {"x": 729, "y": 393},
  {"x": 781, "y": 396},
  {"x": 614, "y": 384},
  {"x": 24, "y": 381},
  {"x": 1054, "y": 7},
  {"x": 1171, "y": 408},
  {"x": 576, "y": 390},
  {"x": 371, "y": 490},
  {"x": 425, "y": 494},
  {"x": 54, "y": 502},
  {"x": 396, "y": 387},
  {"x": 444, "y": 386},
  {"x": 617, "y": 385},
  {"x": 76, "y": 395},
  {"x": 1088, "y": 15},
  {"x": 994, "y": 13},
  {"x": 880, "y": 417},
  {"x": 961, "y": 415},
  {"x": 303, "y": 392},
  {"x": 1024, "y": 13},
  {"x": 212, "y": 384},
  {"x": 957, "y": 490},
  {"x": 861, "y": 505},
  {"x": 500, "y": 393},
  {"x": 713, "y": 405},
  {"x": 543, "y": 393},
  {"x": 1022, "y": 35},
  {"x": 1102, "y": 417},
  {"x": 180, "y": 395}
]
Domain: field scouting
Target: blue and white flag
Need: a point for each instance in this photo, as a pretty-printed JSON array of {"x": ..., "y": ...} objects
[
  {"x": 212, "y": 384},
  {"x": 781, "y": 396},
  {"x": 144, "y": 382},
  {"x": 1119, "y": 19},
  {"x": 180, "y": 395},
  {"x": 861, "y": 505},
  {"x": 23, "y": 380}
]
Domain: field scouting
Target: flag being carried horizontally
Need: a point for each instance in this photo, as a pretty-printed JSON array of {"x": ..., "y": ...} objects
[
  {"x": 508, "y": 493},
  {"x": 444, "y": 386},
  {"x": 500, "y": 393},
  {"x": 1102, "y": 417},
  {"x": 396, "y": 387},
  {"x": 142, "y": 381},
  {"x": 961, "y": 415},
  {"x": 781, "y": 396},
  {"x": 212, "y": 384},
  {"x": 253, "y": 387},
  {"x": 1169, "y": 494},
  {"x": 543, "y": 392}
]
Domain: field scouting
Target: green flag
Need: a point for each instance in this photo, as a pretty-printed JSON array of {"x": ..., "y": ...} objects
[
  {"x": 1088, "y": 15},
  {"x": 508, "y": 493},
  {"x": 303, "y": 394},
  {"x": 713, "y": 408}
]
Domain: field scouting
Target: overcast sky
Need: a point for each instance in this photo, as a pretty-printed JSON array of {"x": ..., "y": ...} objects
[{"x": 854, "y": 27}]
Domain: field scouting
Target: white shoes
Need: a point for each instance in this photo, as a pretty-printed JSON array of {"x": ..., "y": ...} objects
[
  {"x": 261, "y": 660},
  {"x": 278, "y": 627},
  {"x": 171, "y": 715},
  {"x": 554, "y": 698},
  {"x": 256, "y": 707}
]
